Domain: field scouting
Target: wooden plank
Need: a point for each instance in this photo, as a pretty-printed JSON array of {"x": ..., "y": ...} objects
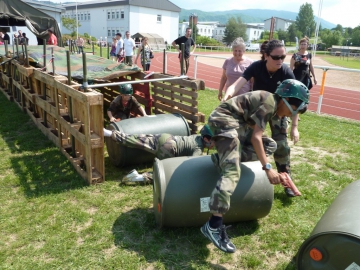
[
  {"x": 45, "y": 78},
  {"x": 169, "y": 109},
  {"x": 173, "y": 103},
  {"x": 191, "y": 83},
  {"x": 73, "y": 129},
  {"x": 6, "y": 78},
  {"x": 158, "y": 91},
  {"x": 26, "y": 71},
  {"x": 46, "y": 106},
  {"x": 182, "y": 91}
]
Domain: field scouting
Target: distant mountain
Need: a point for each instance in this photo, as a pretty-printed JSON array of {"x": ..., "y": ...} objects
[{"x": 246, "y": 15}]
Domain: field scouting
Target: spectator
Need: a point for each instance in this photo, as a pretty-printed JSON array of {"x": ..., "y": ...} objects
[
  {"x": 188, "y": 42},
  {"x": 146, "y": 59},
  {"x": 24, "y": 40},
  {"x": 6, "y": 37},
  {"x": 52, "y": 38},
  {"x": 80, "y": 44},
  {"x": 113, "y": 49},
  {"x": 234, "y": 67},
  {"x": 16, "y": 38},
  {"x": 119, "y": 47},
  {"x": 129, "y": 47},
  {"x": 301, "y": 64}
]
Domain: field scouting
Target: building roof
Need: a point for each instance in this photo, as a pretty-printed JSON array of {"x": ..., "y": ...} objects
[{"x": 156, "y": 4}]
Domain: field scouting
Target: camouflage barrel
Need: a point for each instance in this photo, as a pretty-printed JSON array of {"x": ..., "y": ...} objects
[
  {"x": 182, "y": 187},
  {"x": 121, "y": 155},
  {"x": 335, "y": 241}
]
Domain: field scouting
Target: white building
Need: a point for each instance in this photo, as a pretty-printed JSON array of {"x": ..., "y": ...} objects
[
  {"x": 103, "y": 19},
  {"x": 280, "y": 24},
  {"x": 205, "y": 29},
  {"x": 253, "y": 31}
]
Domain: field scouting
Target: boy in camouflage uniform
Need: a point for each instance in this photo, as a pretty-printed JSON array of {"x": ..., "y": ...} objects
[{"x": 234, "y": 123}]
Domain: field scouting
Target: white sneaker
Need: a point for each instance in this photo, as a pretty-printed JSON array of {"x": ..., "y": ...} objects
[{"x": 133, "y": 176}]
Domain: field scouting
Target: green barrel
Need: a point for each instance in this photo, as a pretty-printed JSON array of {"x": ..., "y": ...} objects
[
  {"x": 335, "y": 241},
  {"x": 183, "y": 185},
  {"x": 121, "y": 155}
]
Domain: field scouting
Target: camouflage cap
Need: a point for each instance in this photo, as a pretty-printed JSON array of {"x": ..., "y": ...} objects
[{"x": 293, "y": 88}]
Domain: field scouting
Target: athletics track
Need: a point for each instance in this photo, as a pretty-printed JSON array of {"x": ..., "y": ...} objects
[{"x": 337, "y": 102}]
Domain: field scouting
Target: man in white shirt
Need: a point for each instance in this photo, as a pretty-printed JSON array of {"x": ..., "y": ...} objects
[
  {"x": 129, "y": 47},
  {"x": 119, "y": 47}
]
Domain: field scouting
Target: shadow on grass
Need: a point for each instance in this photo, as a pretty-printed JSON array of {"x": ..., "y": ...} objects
[
  {"x": 175, "y": 248},
  {"x": 34, "y": 159}
]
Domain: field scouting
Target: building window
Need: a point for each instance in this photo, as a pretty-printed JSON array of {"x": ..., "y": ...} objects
[
  {"x": 108, "y": 15},
  {"x": 158, "y": 18},
  {"x": 113, "y": 32},
  {"x": 82, "y": 16},
  {"x": 89, "y": 16},
  {"x": 122, "y": 15},
  {"x": 113, "y": 15},
  {"x": 109, "y": 32},
  {"x": 117, "y": 15}
]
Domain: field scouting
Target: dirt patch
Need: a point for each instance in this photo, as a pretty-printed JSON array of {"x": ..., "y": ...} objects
[{"x": 334, "y": 78}]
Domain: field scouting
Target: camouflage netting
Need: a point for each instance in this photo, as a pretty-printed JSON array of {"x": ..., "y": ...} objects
[{"x": 97, "y": 67}]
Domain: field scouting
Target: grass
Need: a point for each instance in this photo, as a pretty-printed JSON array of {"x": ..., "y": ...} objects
[{"x": 51, "y": 219}]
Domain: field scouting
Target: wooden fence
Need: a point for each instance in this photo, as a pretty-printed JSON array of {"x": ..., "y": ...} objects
[{"x": 73, "y": 119}]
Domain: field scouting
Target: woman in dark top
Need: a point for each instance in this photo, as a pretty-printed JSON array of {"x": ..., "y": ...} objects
[
  {"x": 301, "y": 64},
  {"x": 268, "y": 74}
]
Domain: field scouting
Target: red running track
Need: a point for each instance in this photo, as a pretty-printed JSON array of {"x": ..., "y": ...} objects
[{"x": 336, "y": 101}]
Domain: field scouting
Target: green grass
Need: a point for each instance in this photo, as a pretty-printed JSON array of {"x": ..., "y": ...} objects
[
  {"x": 345, "y": 62},
  {"x": 51, "y": 219}
]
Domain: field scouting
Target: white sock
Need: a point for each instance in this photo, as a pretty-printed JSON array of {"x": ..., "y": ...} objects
[{"x": 107, "y": 133}]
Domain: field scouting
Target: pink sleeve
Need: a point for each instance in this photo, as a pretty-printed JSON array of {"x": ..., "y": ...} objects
[{"x": 225, "y": 64}]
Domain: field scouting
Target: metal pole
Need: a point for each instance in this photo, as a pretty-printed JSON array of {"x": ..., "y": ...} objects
[
  {"x": 73, "y": 153},
  {"x": 44, "y": 53},
  {"x": 100, "y": 47},
  {"x": 164, "y": 62},
  {"x": 93, "y": 47},
  {"x": 322, "y": 89},
  {"x": 137, "y": 81},
  {"x": 6, "y": 47},
  {"x": 108, "y": 52},
  {"x": 196, "y": 64},
  {"x": 44, "y": 84},
  {"x": 77, "y": 24},
  {"x": 182, "y": 71},
  {"x": 17, "y": 47},
  {"x": 27, "y": 56},
  {"x": 53, "y": 61},
  {"x": 85, "y": 83}
]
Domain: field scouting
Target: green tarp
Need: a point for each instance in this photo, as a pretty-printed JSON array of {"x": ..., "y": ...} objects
[
  {"x": 18, "y": 13},
  {"x": 97, "y": 67}
]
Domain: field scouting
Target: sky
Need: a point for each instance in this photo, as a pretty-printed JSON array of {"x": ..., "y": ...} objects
[{"x": 344, "y": 12}]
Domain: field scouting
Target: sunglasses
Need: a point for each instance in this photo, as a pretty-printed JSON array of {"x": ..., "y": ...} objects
[{"x": 277, "y": 57}]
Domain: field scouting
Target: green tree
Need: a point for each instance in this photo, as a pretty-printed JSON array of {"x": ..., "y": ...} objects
[
  {"x": 283, "y": 35},
  {"x": 70, "y": 24},
  {"x": 291, "y": 31},
  {"x": 266, "y": 34},
  {"x": 331, "y": 38},
  {"x": 355, "y": 37},
  {"x": 339, "y": 28},
  {"x": 305, "y": 22},
  {"x": 206, "y": 41},
  {"x": 234, "y": 28}
]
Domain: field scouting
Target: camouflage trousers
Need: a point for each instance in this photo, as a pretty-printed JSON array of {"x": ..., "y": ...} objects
[
  {"x": 233, "y": 146},
  {"x": 161, "y": 145}
]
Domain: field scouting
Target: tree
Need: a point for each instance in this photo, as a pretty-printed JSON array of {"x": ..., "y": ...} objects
[
  {"x": 355, "y": 37},
  {"x": 234, "y": 28},
  {"x": 206, "y": 41},
  {"x": 266, "y": 34},
  {"x": 339, "y": 28},
  {"x": 70, "y": 24},
  {"x": 331, "y": 37},
  {"x": 283, "y": 35},
  {"x": 291, "y": 31},
  {"x": 305, "y": 22}
]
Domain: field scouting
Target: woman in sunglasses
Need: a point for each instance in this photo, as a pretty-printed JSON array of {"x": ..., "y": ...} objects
[
  {"x": 268, "y": 74},
  {"x": 301, "y": 64}
]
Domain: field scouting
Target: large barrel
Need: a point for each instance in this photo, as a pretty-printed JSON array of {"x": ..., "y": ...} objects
[
  {"x": 121, "y": 155},
  {"x": 183, "y": 185},
  {"x": 335, "y": 241}
]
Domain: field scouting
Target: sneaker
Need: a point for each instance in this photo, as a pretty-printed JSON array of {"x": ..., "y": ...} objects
[
  {"x": 133, "y": 176},
  {"x": 289, "y": 192},
  {"x": 219, "y": 237}
]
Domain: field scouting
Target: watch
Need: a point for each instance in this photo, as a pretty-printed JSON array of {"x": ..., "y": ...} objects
[{"x": 267, "y": 166}]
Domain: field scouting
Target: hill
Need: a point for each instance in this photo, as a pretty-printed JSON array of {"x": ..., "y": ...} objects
[{"x": 246, "y": 15}]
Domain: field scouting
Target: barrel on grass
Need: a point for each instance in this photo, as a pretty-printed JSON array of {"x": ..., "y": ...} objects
[
  {"x": 182, "y": 187},
  {"x": 335, "y": 241},
  {"x": 121, "y": 155}
]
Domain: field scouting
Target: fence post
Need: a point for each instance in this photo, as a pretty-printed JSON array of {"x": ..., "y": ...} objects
[{"x": 321, "y": 92}]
